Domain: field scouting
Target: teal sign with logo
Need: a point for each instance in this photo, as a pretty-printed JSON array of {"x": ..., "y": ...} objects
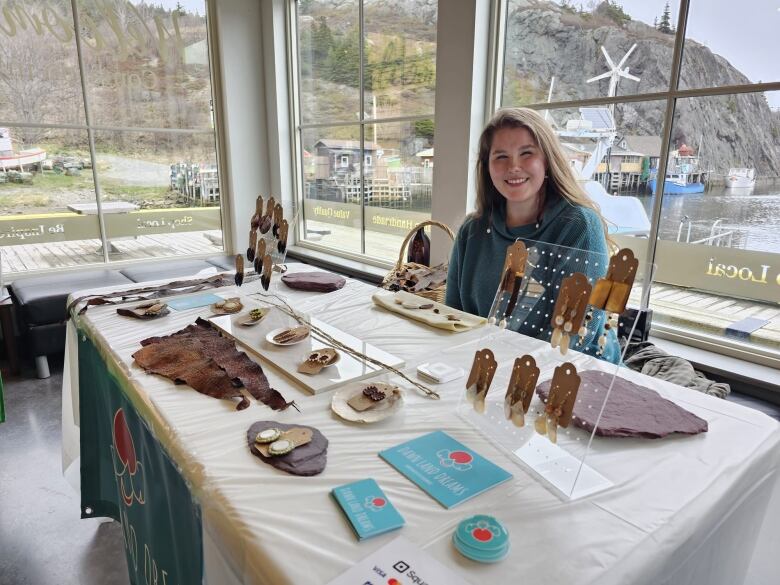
[{"x": 127, "y": 476}]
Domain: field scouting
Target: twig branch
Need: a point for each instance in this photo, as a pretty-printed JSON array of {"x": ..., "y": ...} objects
[{"x": 283, "y": 306}]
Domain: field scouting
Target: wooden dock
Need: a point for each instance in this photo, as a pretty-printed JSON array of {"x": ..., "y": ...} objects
[
  {"x": 710, "y": 313},
  {"x": 30, "y": 258}
]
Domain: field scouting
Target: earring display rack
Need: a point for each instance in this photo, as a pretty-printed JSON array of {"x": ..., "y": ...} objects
[{"x": 550, "y": 272}]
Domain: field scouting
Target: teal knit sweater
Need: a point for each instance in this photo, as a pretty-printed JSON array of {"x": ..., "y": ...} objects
[{"x": 478, "y": 259}]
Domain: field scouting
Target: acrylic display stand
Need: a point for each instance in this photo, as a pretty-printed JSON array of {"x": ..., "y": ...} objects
[{"x": 562, "y": 465}]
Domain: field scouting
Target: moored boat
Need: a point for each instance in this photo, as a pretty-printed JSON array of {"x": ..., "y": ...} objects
[
  {"x": 677, "y": 183},
  {"x": 741, "y": 178}
]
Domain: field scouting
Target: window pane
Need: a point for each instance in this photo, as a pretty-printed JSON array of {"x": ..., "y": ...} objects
[
  {"x": 399, "y": 183},
  {"x": 331, "y": 186},
  {"x": 160, "y": 193},
  {"x": 400, "y": 58},
  {"x": 627, "y": 147},
  {"x": 718, "y": 253},
  {"x": 45, "y": 176},
  {"x": 39, "y": 70},
  {"x": 329, "y": 61},
  {"x": 734, "y": 50},
  {"x": 147, "y": 63},
  {"x": 557, "y": 49}
]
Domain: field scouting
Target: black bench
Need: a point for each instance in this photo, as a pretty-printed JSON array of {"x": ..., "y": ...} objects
[{"x": 41, "y": 301}]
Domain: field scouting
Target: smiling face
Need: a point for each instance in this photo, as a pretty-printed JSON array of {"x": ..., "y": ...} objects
[{"x": 517, "y": 167}]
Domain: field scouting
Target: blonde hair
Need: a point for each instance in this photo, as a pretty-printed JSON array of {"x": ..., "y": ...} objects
[{"x": 560, "y": 177}]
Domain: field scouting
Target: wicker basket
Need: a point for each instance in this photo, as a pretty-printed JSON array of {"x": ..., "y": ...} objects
[{"x": 435, "y": 294}]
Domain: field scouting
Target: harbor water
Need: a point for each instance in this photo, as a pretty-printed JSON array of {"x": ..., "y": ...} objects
[{"x": 752, "y": 214}]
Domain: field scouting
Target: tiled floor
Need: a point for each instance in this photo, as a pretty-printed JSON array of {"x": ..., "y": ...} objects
[{"x": 42, "y": 539}]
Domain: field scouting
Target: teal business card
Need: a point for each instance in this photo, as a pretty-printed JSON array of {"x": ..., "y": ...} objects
[
  {"x": 447, "y": 470},
  {"x": 193, "y": 302},
  {"x": 367, "y": 508}
]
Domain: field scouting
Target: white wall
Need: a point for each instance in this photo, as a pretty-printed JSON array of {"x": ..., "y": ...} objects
[
  {"x": 244, "y": 123},
  {"x": 461, "y": 83}
]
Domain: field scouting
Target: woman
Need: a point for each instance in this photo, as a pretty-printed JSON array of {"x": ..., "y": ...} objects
[{"x": 526, "y": 190}]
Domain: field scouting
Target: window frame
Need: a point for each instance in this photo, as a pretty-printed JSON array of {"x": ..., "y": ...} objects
[
  {"x": 91, "y": 129},
  {"x": 670, "y": 96},
  {"x": 297, "y": 127}
]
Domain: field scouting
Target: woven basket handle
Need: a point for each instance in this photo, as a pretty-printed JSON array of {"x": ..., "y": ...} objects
[{"x": 411, "y": 233}]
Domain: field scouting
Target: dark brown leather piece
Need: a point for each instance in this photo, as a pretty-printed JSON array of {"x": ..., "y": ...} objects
[
  {"x": 183, "y": 365},
  {"x": 631, "y": 411},
  {"x": 201, "y": 339},
  {"x": 314, "y": 281},
  {"x": 306, "y": 460}
]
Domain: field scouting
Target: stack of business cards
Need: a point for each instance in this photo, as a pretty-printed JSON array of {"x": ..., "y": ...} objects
[
  {"x": 481, "y": 538},
  {"x": 367, "y": 508},
  {"x": 439, "y": 372}
]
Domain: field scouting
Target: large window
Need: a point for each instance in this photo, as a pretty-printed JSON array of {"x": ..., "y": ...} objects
[
  {"x": 364, "y": 127},
  {"x": 107, "y": 142},
  {"x": 689, "y": 176}
]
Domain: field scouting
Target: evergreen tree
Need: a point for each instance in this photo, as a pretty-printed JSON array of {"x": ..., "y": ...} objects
[
  {"x": 665, "y": 26},
  {"x": 343, "y": 62},
  {"x": 321, "y": 42}
]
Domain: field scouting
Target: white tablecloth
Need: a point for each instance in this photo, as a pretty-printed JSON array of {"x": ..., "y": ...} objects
[{"x": 682, "y": 509}]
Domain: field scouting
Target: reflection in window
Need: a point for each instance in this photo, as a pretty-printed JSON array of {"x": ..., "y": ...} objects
[
  {"x": 39, "y": 70},
  {"x": 146, "y": 65},
  {"x": 731, "y": 48},
  {"x": 560, "y": 51},
  {"x": 45, "y": 177},
  {"x": 363, "y": 191},
  {"x": 722, "y": 239}
]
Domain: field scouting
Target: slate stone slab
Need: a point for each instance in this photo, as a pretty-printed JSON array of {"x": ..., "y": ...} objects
[
  {"x": 314, "y": 281},
  {"x": 632, "y": 410},
  {"x": 308, "y": 459}
]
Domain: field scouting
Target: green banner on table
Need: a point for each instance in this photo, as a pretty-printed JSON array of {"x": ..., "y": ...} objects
[{"x": 126, "y": 475}]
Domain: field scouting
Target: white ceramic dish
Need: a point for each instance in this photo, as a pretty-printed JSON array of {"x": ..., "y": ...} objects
[{"x": 273, "y": 333}]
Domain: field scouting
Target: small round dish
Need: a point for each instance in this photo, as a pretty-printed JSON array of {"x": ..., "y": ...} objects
[
  {"x": 227, "y": 306},
  {"x": 271, "y": 335},
  {"x": 340, "y": 402},
  {"x": 251, "y": 318}
]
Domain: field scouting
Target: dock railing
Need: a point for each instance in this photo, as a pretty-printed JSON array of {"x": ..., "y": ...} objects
[{"x": 720, "y": 235}]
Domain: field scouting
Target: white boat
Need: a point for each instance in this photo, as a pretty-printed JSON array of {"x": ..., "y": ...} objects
[
  {"x": 18, "y": 160},
  {"x": 624, "y": 215},
  {"x": 741, "y": 178}
]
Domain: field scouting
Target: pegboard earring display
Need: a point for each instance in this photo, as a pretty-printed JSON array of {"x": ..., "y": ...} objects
[{"x": 537, "y": 300}]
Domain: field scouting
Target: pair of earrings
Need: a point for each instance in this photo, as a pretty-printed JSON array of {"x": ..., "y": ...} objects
[
  {"x": 559, "y": 407},
  {"x": 520, "y": 391},
  {"x": 564, "y": 325}
]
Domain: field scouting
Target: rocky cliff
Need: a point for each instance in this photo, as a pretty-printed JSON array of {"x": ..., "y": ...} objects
[{"x": 545, "y": 41}]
